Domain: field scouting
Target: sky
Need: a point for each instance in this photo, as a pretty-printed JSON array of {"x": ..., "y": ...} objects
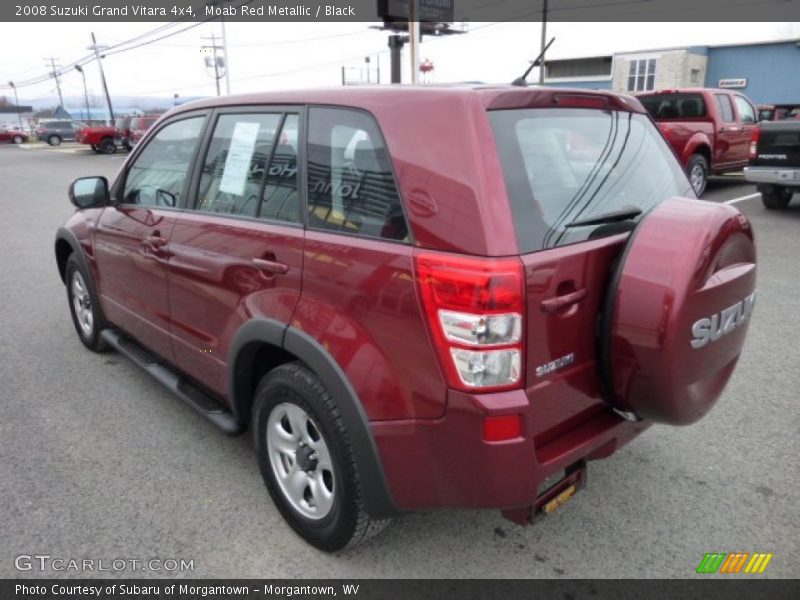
[{"x": 266, "y": 56}]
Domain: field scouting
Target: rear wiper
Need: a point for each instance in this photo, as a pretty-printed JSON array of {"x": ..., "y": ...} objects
[{"x": 623, "y": 214}]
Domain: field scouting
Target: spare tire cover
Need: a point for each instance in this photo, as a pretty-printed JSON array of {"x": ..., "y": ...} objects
[{"x": 677, "y": 311}]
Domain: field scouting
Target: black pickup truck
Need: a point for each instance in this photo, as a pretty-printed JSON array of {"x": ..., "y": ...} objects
[{"x": 774, "y": 164}]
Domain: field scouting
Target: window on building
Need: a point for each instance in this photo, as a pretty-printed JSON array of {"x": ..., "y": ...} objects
[
  {"x": 642, "y": 75},
  {"x": 694, "y": 76},
  {"x": 725, "y": 107},
  {"x": 351, "y": 187},
  {"x": 579, "y": 67}
]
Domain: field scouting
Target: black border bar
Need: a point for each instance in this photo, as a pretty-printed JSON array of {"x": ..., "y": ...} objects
[{"x": 598, "y": 11}]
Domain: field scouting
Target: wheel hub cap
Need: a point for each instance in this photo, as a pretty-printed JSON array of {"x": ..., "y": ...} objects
[
  {"x": 300, "y": 461},
  {"x": 82, "y": 304}
]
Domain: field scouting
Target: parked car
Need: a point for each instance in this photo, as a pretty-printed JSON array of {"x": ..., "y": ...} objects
[
  {"x": 709, "y": 129},
  {"x": 123, "y": 132},
  {"x": 15, "y": 136},
  {"x": 775, "y": 162},
  {"x": 99, "y": 137},
  {"x": 771, "y": 112},
  {"x": 54, "y": 132},
  {"x": 415, "y": 297},
  {"x": 139, "y": 126}
]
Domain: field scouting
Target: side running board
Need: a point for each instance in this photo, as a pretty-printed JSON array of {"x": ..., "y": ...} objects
[{"x": 204, "y": 404}]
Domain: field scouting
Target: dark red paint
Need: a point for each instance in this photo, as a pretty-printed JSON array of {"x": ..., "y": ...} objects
[{"x": 184, "y": 282}]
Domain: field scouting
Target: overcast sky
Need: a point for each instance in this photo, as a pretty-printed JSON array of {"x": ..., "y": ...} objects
[{"x": 267, "y": 56}]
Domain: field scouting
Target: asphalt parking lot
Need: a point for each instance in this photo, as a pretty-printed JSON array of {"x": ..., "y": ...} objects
[{"x": 99, "y": 461}]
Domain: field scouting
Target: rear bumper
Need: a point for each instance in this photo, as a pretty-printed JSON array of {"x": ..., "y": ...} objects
[
  {"x": 782, "y": 176},
  {"x": 445, "y": 462}
]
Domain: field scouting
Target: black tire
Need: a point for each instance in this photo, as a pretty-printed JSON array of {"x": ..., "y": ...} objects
[
  {"x": 91, "y": 339},
  {"x": 697, "y": 172},
  {"x": 775, "y": 198},
  {"x": 54, "y": 140},
  {"x": 347, "y": 523},
  {"x": 18, "y": 139},
  {"x": 107, "y": 146}
]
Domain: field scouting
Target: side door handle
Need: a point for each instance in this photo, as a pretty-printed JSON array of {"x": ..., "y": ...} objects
[
  {"x": 155, "y": 241},
  {"x": 558, "y": 303},
  {"x": 270, "y": 267}
]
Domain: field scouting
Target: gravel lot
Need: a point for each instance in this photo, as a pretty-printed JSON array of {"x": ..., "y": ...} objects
[{"x": 99, "y": 461}]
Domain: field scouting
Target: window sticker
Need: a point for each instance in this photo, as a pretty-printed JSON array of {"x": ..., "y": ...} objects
[{"x": 237, "y": 163}]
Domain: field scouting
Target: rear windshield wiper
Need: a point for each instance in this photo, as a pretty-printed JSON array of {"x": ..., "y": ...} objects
[{"x": 622, "y": 214}]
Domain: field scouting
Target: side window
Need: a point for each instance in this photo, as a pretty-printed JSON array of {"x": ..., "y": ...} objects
[
  {"x": 157, "y": 175},
  {"x": 280, "y": 199},
  {"x": 725, "y": 107},
  {"x": 746, "y": 111},
  {"x": 351, "y": 188},
  {"x": 233, "y": 169}
]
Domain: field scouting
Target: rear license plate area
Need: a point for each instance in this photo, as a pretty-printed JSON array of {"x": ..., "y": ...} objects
[{"x": 558, "y": 489}]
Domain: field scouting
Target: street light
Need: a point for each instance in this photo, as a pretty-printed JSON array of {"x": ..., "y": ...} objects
[
  {"x": 79, "y": 69},
  {"x": 16, "y": 99}
]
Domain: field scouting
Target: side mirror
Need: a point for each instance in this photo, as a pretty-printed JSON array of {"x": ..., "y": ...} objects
[{"x": 89, "y": 192}]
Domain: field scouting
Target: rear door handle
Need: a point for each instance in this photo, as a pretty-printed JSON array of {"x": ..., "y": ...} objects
[
  {"x": 558, "y": 303},
  {"x": 156, "y": 242},
  {"x": 270, "y": 266}
]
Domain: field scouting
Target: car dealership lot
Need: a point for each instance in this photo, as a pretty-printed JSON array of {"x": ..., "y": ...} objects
[{"x": 101, "y": 462}]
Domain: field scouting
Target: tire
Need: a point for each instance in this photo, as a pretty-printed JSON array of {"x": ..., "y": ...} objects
[
  {"x": 107, "y": 146},
  {"x": 697, "y": 172},
  {"x": 88, "y": 330},
  {"x": 333, "y": 517},
  {"x": 775, "y": 198},
  {"x": 54, "y": 140},
  {"x": 18, "y": 139}
]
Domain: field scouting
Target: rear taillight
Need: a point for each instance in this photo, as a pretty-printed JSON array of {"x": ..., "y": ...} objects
[
  {"x": 754, "y": 137},
  {"x": 475, "y": 309}
]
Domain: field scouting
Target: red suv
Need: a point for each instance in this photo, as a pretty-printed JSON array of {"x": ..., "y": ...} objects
[{"x": 415, "y": 297}]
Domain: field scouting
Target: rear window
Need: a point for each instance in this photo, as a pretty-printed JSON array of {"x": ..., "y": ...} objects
[
  {"x": 565, "y": 164},
  {"x": 674, "y": 106}
]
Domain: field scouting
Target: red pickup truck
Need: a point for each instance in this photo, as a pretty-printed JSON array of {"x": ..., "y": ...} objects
[
  {"x": 99, "y": 137},
  {"x": 709, "y": 129}
]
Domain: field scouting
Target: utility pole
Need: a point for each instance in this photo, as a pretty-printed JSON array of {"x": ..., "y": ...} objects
[
  {"x": 225, "y": 54},
  {"x": 413, "y": 38},
  {"x": 54, "y": 75},
  {"x": 224, "y": 44},
  {"x": 217, "y": 61},
  {"x": 396, "y": 42},
  {"x": 543, "y": 46},
  {"x": 79, "y": 69},
  {"x": 16, "y": 99},
  {"x": 96, "y": 49}
]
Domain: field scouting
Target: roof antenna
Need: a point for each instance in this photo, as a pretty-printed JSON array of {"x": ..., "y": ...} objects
[{"x": 521, "y": 81}]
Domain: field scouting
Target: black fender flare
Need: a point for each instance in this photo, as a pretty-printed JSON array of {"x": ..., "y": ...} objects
[
  {"x": 64, "y": 234},
  {"x": 377, "y": 497}
]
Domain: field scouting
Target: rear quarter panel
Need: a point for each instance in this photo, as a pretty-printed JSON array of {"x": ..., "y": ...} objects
[{"x": 359, "y": 301}]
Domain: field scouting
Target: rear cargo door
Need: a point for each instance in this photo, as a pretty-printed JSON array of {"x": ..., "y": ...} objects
[{"x": 578, "y": 180}]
